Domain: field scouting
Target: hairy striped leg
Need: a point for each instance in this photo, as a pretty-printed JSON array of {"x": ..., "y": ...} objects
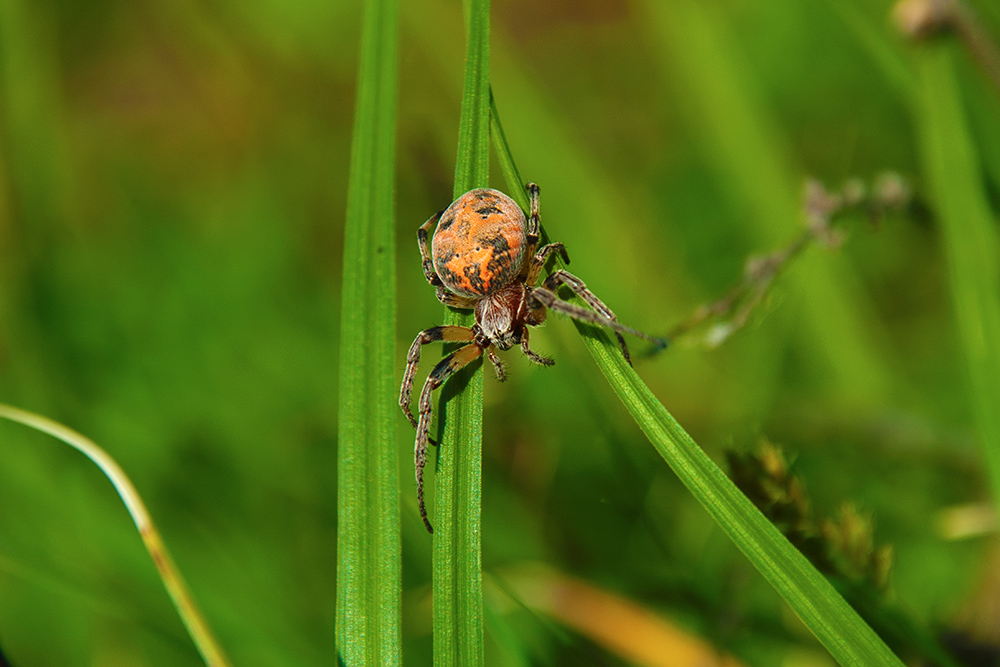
[
  {"x": 538, "y": 262},
  {"x": 453, "y": 300},
  {"x": 561, "y": 277},
  {"x": 534, "y": 356},
  {"x": 448, "y": 334},
  {"x": 445, "y": 368},
  {"x": 497, "y": 364},
  {"x": 532, "y": 231},
  {"x": 425, "y": 251},
  {"x": 546, "y": 296}
]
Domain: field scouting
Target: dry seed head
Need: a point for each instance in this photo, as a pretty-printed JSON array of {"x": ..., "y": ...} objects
[{"x": 922, "y": 18}]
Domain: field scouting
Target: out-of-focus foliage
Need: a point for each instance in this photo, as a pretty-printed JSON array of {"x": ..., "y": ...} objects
[{"x": 172, "y": 194}]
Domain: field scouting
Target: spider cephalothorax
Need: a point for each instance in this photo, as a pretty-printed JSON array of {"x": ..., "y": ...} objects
[{"x": 486, "y": 258}]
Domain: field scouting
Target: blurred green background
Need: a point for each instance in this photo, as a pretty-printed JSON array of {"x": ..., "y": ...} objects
[{"x": 172, "y": 195}]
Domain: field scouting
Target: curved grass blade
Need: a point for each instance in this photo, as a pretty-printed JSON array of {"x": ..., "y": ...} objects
[
  {"x": 458, "y": 586},
  {"x": 970, "y": 239},
  {"x": 180, "y": 595},
  {"x": 824, "y": 611},
  {"x": 507, "y": 165},
  {"x": 368, "y": 536}
]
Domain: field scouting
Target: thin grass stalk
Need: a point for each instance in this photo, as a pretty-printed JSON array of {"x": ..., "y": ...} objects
[
  {"x": 824, "y": 611},
  {"x": 745, "y": 147},
  {"x": 970, "y": 240},
  {"x": 209, "y": 648},
  {"x": 457, "y": 553},
  {"x": 368, "y": 515}
]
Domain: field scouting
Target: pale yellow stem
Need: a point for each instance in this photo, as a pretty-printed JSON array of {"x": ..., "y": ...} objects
[{"x": 183, "y": 601}]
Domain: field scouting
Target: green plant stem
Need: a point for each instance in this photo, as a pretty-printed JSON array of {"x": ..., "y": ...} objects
[
  {"x": 180, "y": 595},
  {"x": 512, "y": 174},
  {"x": 970, "y": 240},
  {"x": 848, "y": 638},
  {"x": 457, "y": 575},
  {"x": 368, "y": 529}
]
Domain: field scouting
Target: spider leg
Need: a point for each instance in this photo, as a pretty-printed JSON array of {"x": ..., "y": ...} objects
[
  {"x": 538, "y": 262},
  {"x": 537, "y": 358},
  {"x": 448, "y": 333},
  {"x": 497, "y": 364},
  {"x": 453, "y": 300},
  {"x": 560, "y": 277},
  {"x": 542, "y": 296},
  {"x": 445, "y": 368},
  {"x": 532, "y": 231},
  {"x": 425, "y": 251}
]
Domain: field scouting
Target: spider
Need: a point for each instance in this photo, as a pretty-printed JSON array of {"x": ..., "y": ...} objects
[{"x": 486, "y": 258}]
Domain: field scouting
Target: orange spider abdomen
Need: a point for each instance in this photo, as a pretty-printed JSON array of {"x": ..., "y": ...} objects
[{"x": 479, "y": 244}]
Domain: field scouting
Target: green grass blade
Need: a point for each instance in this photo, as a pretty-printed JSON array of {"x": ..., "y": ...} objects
[
  {"x": 970, "y": 240},
  {"x": 848, "y": 638},
  {"x": 511, "y": 174},
  {"x": 472, "y": 163},
  {"x": 368, "y": 537},
  {"x": 983, "y": 106},
  {"x": 458, "y": 586}
]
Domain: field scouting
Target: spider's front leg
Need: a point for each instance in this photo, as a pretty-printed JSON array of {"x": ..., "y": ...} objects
[
  {"x": 561, "y": 277},
  {"x": 546, "y": 297},
  {"x": 445, "y": 368},
  {"x": 453, "y": 300},
  {"x": 449, "y": 334},
  {"x": 538, "y": 261},
  {"x": 533, "y": 220},
  {"x": 533, "y": 267},
  {"x": 425, "y": 251}
]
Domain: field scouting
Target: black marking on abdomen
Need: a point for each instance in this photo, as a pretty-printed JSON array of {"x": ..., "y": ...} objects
[
  {"x": 498, "y": 243},
  {"x": 448, "y": 276},
  {"x": 474, "y": 275},
  {"x": 500, "y": 262}
]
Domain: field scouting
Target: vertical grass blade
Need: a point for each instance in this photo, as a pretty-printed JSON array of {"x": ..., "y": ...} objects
[
  {"x": 368, "y": 538},
  {"x": 848, "y": 638},
  {"x": 458, "y": 586},
  {"x": 970, "y": 239}
]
